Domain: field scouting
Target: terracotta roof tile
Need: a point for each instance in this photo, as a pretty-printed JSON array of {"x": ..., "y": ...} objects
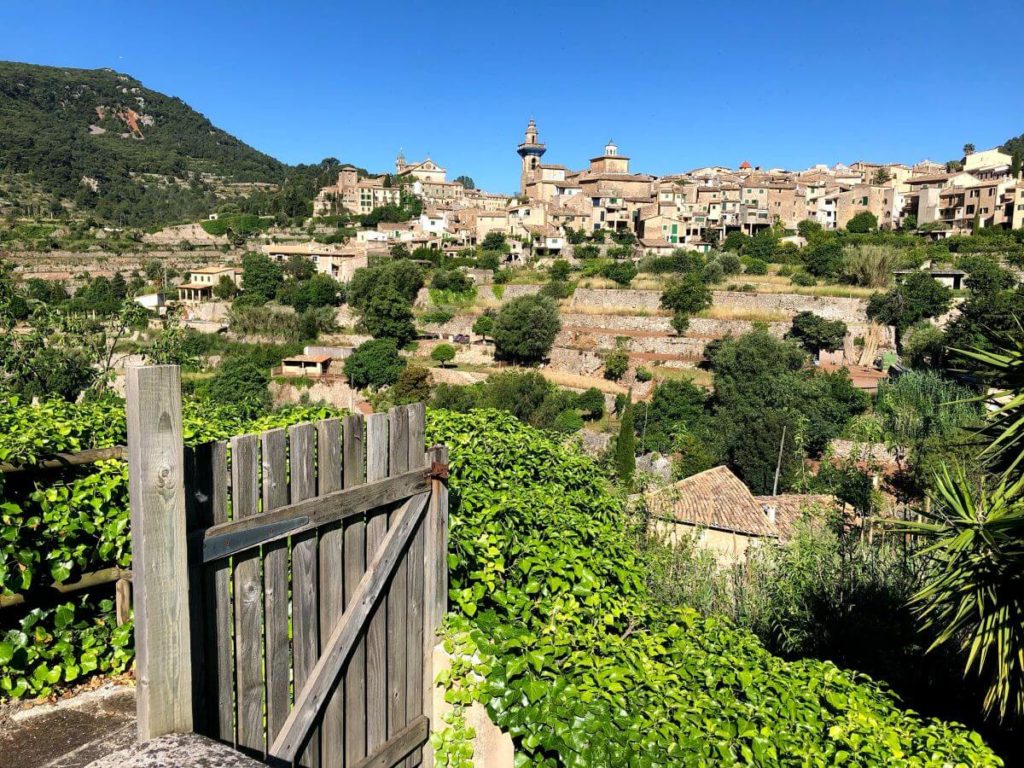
[{"x": 715, "y": 498}]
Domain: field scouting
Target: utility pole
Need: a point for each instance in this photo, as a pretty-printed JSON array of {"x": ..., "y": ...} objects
[{"x": 778, "y": 464}]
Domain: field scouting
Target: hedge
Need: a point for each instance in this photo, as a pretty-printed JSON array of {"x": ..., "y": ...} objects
[
  {"x": 553, "y": 629},
  {"x": 58, "y": 524}
]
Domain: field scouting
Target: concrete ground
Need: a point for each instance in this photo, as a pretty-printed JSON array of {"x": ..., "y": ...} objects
[{"x": 70, "y": 733}]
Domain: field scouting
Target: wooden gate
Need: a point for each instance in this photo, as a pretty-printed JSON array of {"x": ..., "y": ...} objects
[{"x": 288, "y": 585}]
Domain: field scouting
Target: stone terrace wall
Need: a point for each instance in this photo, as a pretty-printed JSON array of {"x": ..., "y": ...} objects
[
  {"x": 647, "y": 301},
  {"x": 677, "y": 346},
  {"x": 832, "y": 308},
  {"x": 699, "y": 327}
]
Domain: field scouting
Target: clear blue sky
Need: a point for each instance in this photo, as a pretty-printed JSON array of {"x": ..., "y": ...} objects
[{"x": 676, "y": 84}]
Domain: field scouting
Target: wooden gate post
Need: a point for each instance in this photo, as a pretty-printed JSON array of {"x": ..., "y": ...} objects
[{"x": 156, "y": 490}]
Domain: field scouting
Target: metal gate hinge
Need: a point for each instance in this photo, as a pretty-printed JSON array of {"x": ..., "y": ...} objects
[{"x": 438, "y": 470}]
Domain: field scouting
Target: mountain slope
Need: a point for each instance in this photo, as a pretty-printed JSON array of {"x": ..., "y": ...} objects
[{"x": 91, "y": 136}]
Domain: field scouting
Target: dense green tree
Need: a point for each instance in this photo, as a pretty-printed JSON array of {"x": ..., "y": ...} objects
[
  {"x": 685, "y": 296},
  {"x": 675, "y": 407},
  {"x": 862, "y": 223},
  {"x": 388, "y": 315},
  {"x": 730, "y": 263},
  {"x": 762, "y": 385},
  {"x": 484, "y": 325},
  {"x": 298, "y": 267},
  {"x": 815, "y": 333},
  {"x": 465, "y": 181},
  {"x": 374, "y": 364},
  {"x": 591, "y": 402},
  {"x": 809, "y": 229},
  {"x": 736, "y": 242},
  {"x": 520, "y": 393},
  {"x": 756, "y": 267},
  {"x": 560, "y": 270},
  {"x": 403, "y": 276},
  {"x": 624, "y": 456},
  {"x": 442, "y": 354},
  {"x": 412, "y": 386},
  {"x": 261, "y": 277},
  {"x": 918, "y": 297},
  {"x": 824, "y": 257},
  {"x": 622, "y": 272},
  {"x": 763, "y": 246},
  {"x": 525, "y": 328},
  {"x": 616, "y": 363},
  {"x": 453, "y": 280},
  {"x": 241, "y": 382},
  {"x": 494, "y": 241},
  {"x": 225, "y": 289}
]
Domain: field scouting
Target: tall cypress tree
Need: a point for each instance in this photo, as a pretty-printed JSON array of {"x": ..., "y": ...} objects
[{"x": 625, "y": 447}]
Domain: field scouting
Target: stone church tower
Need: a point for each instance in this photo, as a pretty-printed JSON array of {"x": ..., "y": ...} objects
[{"x": 531, "y": 151}]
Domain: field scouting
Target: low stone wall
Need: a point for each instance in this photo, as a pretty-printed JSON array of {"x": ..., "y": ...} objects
[
  {"x": 194, "y": 233},
  {"x": 333, "y": 392},
  {"x": 848, "y": 310},
  {"x": 626, "y": 298},
  {"x": 678, "y": 346},
  {"x": 830, "y": 307},
  {"x": 575, "y": 361},
  {"x": 516, "y": 291},
  {"x": 700, "y": 327}
]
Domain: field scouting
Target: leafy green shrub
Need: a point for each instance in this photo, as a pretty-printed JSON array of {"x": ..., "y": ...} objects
[
  {"x": 756, "y": 267},
  {"x": 643, "y": 374},
  {"x": 525, "y": 328},
  {"x": 374, "y": 364},
  {"x": 576, "y": 661},
  {"x": 443, "y": 354},
  {"x": 591, "y": 402},
  {"x": 804, "y": 279},
  {"x": 439, "y": 315},
  {"x": 621, "y": 272},
  {"x": 568, "y": 422},
  {"x": 616, "y": 363},
  {"x": 241, "y": 224},
  {"x": 55, "y": 527}
]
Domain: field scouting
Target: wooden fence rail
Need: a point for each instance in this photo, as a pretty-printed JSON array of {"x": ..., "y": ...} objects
[
  {"x": 288, "y": 584},
  {"x": 119, "y": 577}
]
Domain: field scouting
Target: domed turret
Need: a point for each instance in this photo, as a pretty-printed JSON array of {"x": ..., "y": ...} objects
[{"x": 531, "y": 151}]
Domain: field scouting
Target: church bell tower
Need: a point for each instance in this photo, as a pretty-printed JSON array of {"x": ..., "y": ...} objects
[{"x": 531, "y": 151}]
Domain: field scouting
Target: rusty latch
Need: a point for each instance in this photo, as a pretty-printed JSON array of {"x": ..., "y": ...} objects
[{"x": 438, "y": 470}]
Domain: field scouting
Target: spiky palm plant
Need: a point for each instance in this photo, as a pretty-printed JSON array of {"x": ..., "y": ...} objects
[
  {"x": 975, "y": 598},
  {"x": 1003, "y": 369}
]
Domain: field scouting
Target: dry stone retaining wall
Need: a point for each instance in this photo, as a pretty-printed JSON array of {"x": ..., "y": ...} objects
[{"x": 848, "y": 310}]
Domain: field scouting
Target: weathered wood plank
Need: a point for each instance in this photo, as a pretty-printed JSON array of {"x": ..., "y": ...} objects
[
  {"x": 248, "y": 599},
  {"x": 305, "y": 611},
  {"x": 435, "y": 584},
  {"x": 397, "y": 607},
  {"x": 354, "y": 677},
  {"x": 376, "y": 633},
  {"x": 278, "y": 662},
  {"x": 220, "y": 694},
  {"x": 231, "y": 537},
  {"x": 332, "y": 598},
  {"x": 404, "y": 743},
  {"x": 324, "y": 676},
  {"x": 160, "y": 569},
  {"x": 414, "y": 587}
]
